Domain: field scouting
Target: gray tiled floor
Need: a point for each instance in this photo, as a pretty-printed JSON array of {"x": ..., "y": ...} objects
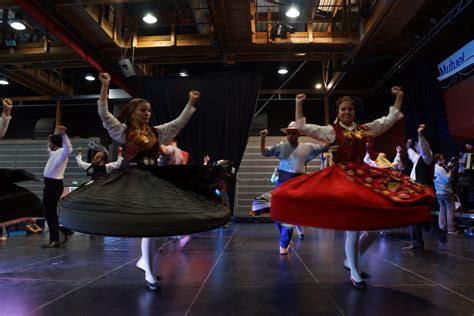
[{"x": 234, "y": 271}]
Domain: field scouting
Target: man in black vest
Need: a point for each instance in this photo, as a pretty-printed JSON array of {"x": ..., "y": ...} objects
[{"x": 421, "y": 172}]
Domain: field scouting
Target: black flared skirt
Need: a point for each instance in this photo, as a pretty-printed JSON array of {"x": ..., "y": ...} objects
[
  {"x": 149, "y": 201},
  {"x": 17, "y": 202}
]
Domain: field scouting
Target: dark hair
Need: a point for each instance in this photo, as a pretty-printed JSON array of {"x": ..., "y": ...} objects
[
  {"x": 437, "y": 157},
  {"x": 57, "y": 140},
  {"x": 128, "y": 109}
]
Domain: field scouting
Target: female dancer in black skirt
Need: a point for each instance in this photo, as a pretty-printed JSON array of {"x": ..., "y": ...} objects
[{"x": 142, "y": 199}]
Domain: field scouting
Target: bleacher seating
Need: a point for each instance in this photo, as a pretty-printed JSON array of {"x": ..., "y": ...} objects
[
  {"x": 255, "y": 171},
  {"x": 32, "y": 155}
]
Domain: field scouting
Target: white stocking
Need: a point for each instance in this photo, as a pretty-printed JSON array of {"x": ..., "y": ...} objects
[
  {"x": 148, "y": 252},
  {"x": 352, "y": 254}
]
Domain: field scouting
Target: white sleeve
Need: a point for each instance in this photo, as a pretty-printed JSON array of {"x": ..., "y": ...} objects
[
  {"x": 113, "y": 165},
  {"x": 83, "y": 165},
  {"x": 324, "y": 133},
  {"x": 425, "y": 150},
  {"x": 114, "y": 127},
  {"x": 167, "y": 131},
  {"x": 412, "y": 155},
  {"x": 4, "y": 126},
  {"x": 381, "y": 125}
]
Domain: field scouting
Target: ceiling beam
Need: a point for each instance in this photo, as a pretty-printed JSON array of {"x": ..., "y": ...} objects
[{"x": 367, "y": 31}]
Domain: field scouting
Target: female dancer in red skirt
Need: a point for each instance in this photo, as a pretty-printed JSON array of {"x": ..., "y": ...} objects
[{"x": 351, "y": 195}]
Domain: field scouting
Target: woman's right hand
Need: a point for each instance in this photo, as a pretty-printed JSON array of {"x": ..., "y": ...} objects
[
  {"x": 264, "y": 133},
  {"x": 104, "y": 78},
  {"x": 7, "y": 103},
  {"x": 300, "y": 98}
]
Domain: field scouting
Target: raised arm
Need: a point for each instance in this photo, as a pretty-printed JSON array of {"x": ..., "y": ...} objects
[
  {"x": 398, "y": 159},
  {"x": 6, "y": 116},
  {"x": 114, "y": 127},
  {"x": 81, "y": 164},
  {"x": 263, "y": 137},
  {"x": 381, "y": 125},
  {"x": 324, "y": 133},
  {"x": 67, "y": 146},
  {"x": 167, "y": 131},
  {"x": 116, "y": 164},
  {"x": 423, "y": 146}
]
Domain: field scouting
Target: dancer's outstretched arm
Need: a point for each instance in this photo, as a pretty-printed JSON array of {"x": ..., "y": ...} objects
[
  {"x": 324, "y": 133},
  {"x": 6, "y": 116},
  {"x": 383, "y": 124}
]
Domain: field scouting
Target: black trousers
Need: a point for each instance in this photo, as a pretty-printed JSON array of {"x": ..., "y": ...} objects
[{"x": 53, "y": 189}]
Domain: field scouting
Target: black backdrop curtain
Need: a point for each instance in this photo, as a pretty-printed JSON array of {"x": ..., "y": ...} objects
[
  {"x": 423, "y": 103},
  {"x": 220, "y": 126}
]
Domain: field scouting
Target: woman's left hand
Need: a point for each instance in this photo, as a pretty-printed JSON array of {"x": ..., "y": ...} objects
[
  {"x": 194, "y": 95},
  {"x": 397, "y": 90}
]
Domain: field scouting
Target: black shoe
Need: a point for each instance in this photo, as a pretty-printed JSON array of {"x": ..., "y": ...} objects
[
  {"x": 153, "y": 286},
  {"x": 52, "y": 244},
  {"x": 363, "y": 274},
  {"x": 67, "y": 236},
  {"x": 360, "y": 286}
]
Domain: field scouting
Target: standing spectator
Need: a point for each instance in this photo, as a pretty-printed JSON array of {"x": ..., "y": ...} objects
[{"x": 444, "y": 194}]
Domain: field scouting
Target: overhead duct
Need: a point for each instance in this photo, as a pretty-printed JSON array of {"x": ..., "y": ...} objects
[{"x": 41, "y": 16}]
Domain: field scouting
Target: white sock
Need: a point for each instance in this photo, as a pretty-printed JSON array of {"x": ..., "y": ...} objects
[
  {"x": 146, "y": 261},
  {"x": 352, "y": 254}
]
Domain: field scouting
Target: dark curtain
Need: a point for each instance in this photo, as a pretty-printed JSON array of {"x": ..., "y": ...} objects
[
  {"x": 423, "y": 103},
  {"x": 220, "y": 127}
]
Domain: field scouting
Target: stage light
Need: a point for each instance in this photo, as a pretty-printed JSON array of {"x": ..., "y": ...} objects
[
  {"x": 183, "y": 73},
  {"x": 282, "y": 70},
  {"x": 292, "y": 12},
  {"x": 318, "y": 86},
  {"x": 4, "y": 81},
  {"x": 17, "y": 23},
  {"x": 150, "y": 18},
  {"x": 89, "y": 77}
]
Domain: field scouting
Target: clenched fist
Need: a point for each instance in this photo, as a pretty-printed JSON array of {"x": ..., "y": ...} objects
[
  {"x": 300, "y": 97},
  {"x": 264, "y": 133},
  {"x": 397, "y": 90},
  {"x": 104, "y": 78}
]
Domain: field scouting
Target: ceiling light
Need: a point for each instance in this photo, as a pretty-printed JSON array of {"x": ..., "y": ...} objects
[
  {"x": 17, "y": 23},
  {"x": 318, "y": 86},
  {"x": 183, "y": 73},
  {"x": 282, "y": 70},
  {"x": 4, "y": 81},
  {"x": 150, "y": 18},
  {"x": 292, "y": 12},
  {"x": 89, "y": 77}
]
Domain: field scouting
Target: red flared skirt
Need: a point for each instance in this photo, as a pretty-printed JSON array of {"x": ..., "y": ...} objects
[{"x": 352, "y": 196}]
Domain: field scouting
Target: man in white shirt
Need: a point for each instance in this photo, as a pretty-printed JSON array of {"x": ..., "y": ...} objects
[
  {"x": 59, "y": 147},
  {"x": 293, "y": 158},
  {"x": 422, "y": 157},
  {"x": 98, "y": 167},
  {"x": 444, "y": 194}
]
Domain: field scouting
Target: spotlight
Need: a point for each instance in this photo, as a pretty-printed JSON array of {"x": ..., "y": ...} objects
[
  {"x": 281, "y": 31},
  {"x": 150, "y": 18},
  {"x": 17, "y": 23},
  {"x": 318, "y": 86},
  {"x": 183, "y": 73},
  {"x": 89, "y": 77},
  {"x": 282, "y": 70},
  {"x": 292, "y": 12},
  {"x": 4, "y": 81}
]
